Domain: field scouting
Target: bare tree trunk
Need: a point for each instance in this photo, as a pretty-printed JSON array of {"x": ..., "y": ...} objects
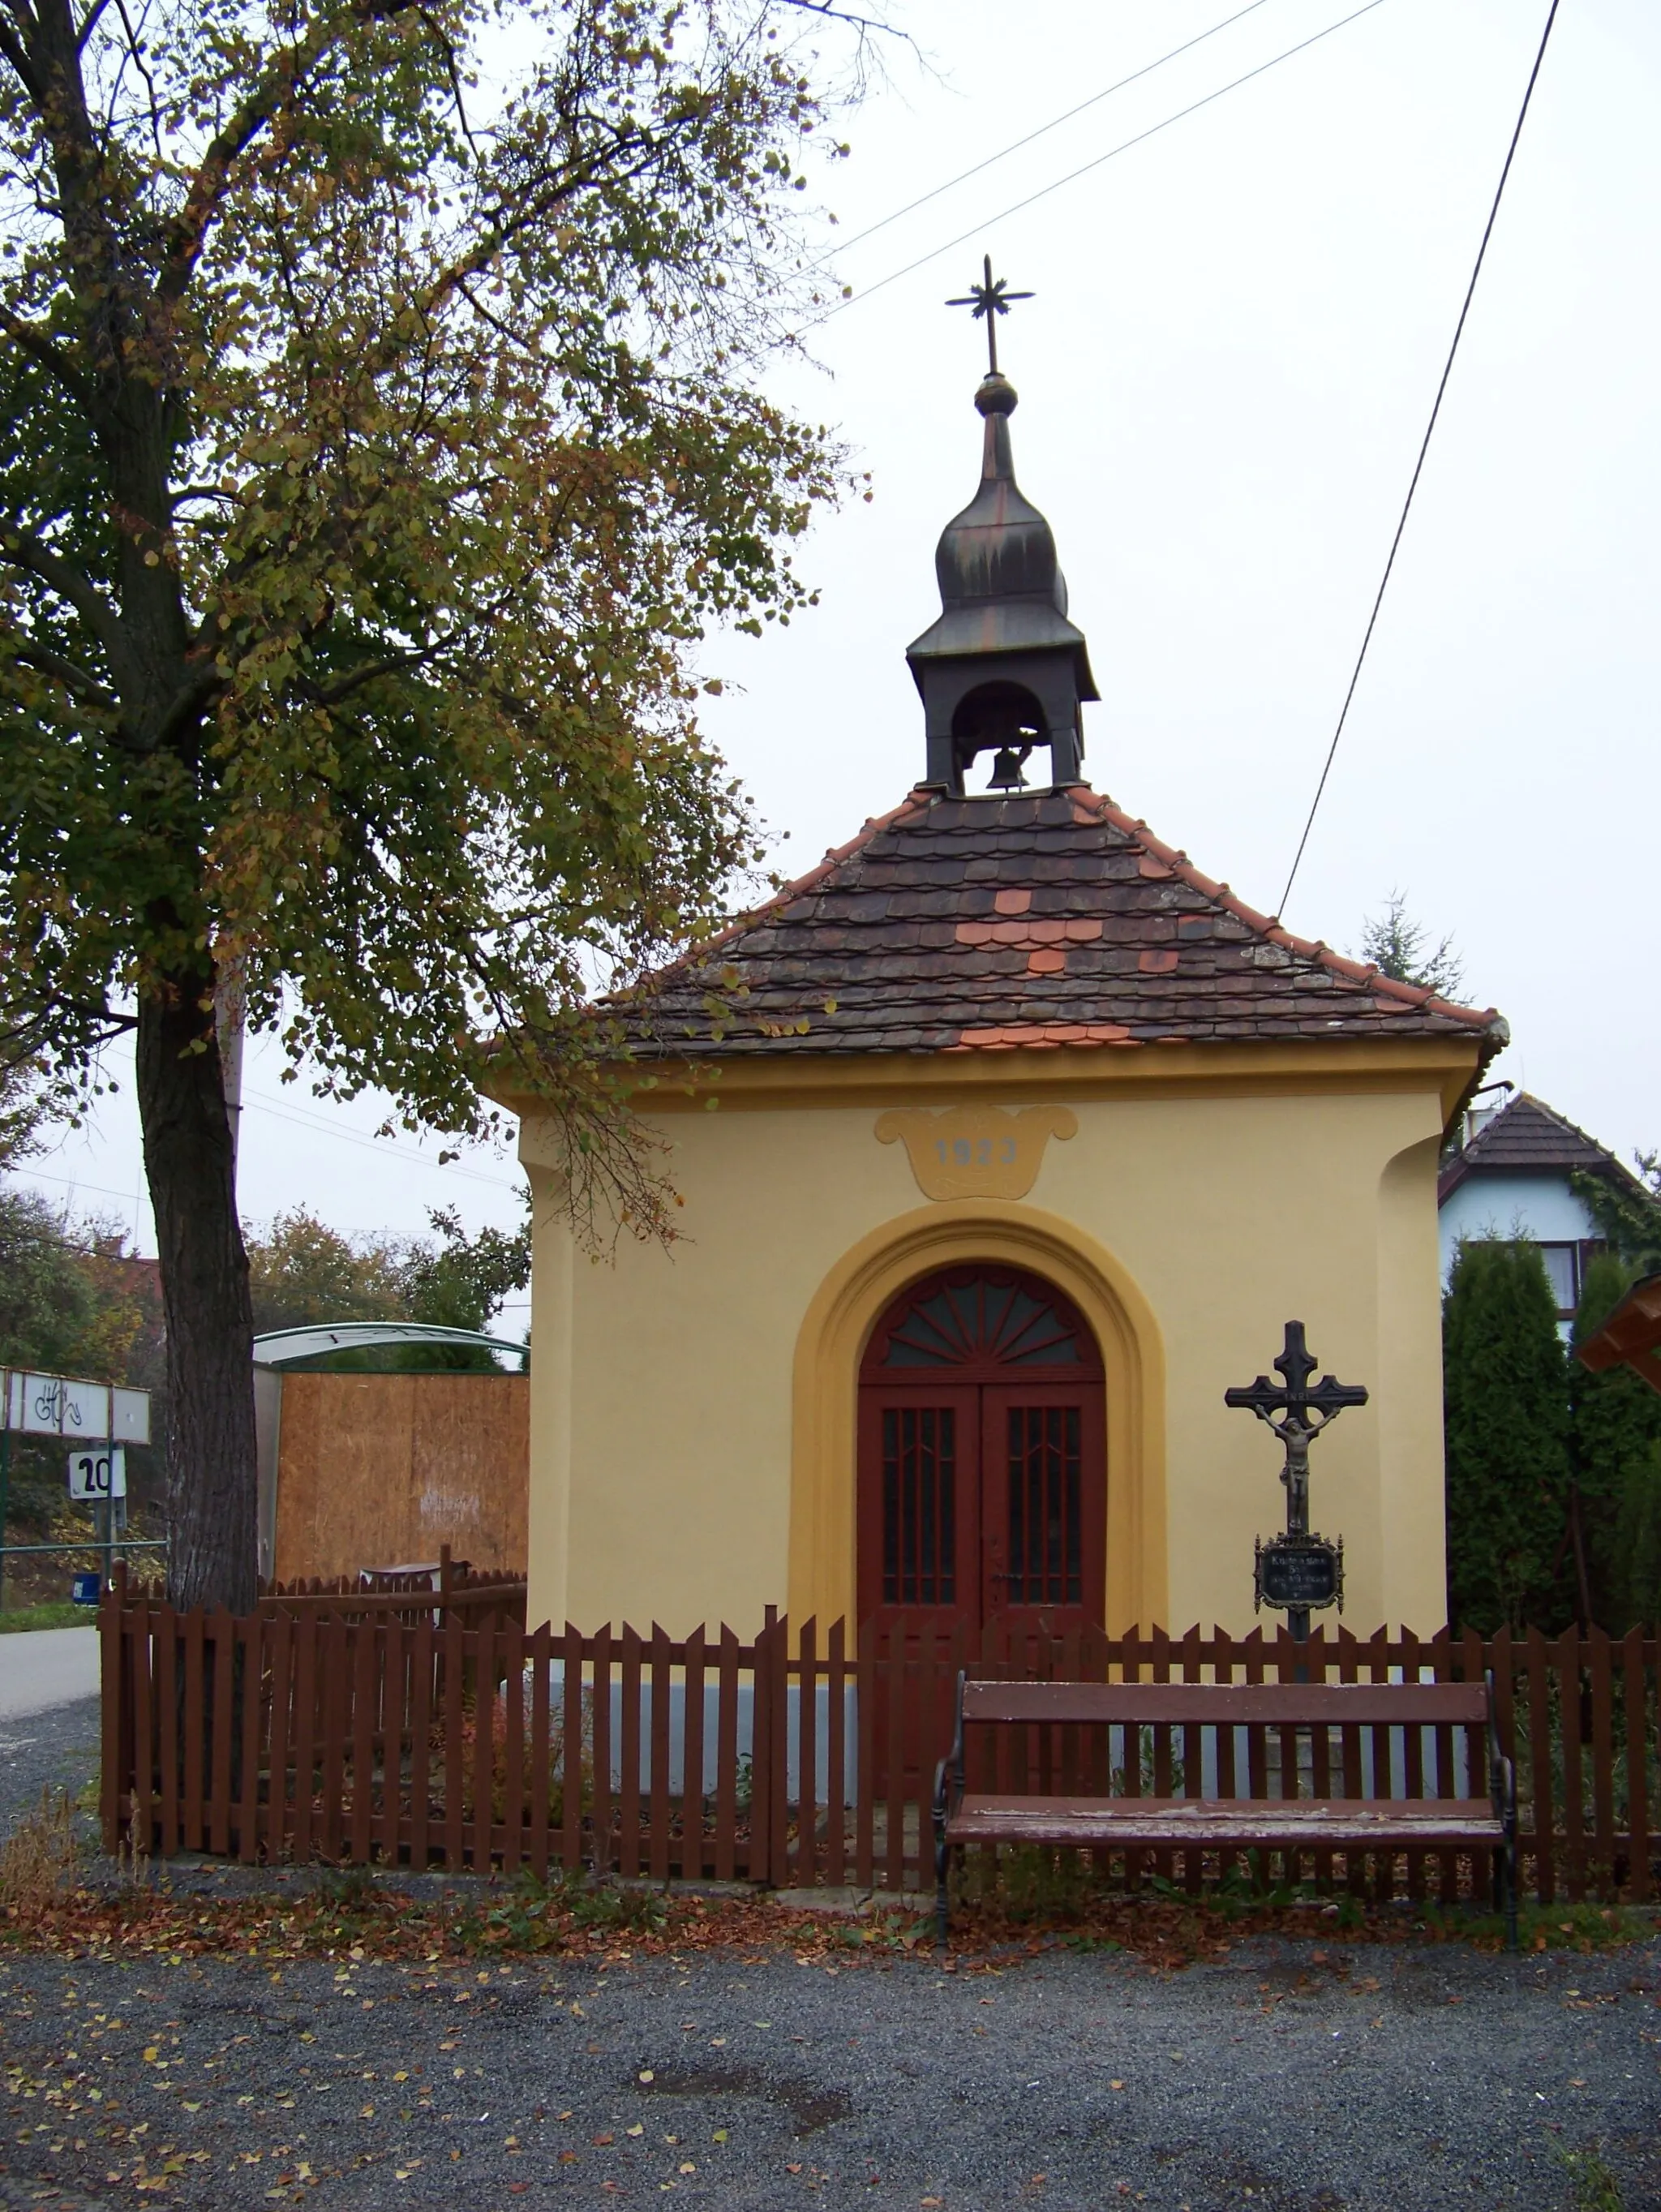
[{"x": 190, "y": 1164}]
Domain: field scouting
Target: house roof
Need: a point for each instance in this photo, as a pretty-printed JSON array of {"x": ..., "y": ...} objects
[
  {"x": 1528, "y": 1137},
  {"x": 990, "y": 924}
]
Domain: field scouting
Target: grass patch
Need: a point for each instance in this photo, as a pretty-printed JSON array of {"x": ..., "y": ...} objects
[
  {"x": 1546, "y": 1927},
  {"x": 1595, "y": 2188},
  {"x": 1064, "y": 1896},
  {"x": 54, "y": 1615},
  {"x": 38, "y": 1862}
]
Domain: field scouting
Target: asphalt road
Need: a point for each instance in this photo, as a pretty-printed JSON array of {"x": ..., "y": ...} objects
[
  {"x": 1288, "y": 2078},
  {"x": 55, "y": 1749},
  {"x": 41, "y": 1668}
]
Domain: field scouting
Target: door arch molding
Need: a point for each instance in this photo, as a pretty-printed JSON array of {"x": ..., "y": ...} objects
[{"x": 831, "y": 1345}]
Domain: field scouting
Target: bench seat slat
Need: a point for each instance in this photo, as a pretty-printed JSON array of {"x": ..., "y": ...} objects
[
  {"x": 1229, "y": 1703},
  {"x": 1204, "y": 1823}
]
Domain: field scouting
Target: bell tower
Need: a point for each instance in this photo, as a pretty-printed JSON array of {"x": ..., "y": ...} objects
[{"x": 1002, "y": 670}]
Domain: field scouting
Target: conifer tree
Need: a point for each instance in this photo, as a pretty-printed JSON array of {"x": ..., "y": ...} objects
[
  {"x": 1505, "y": 1414},
  {"x": 1615, "y": 1441}
]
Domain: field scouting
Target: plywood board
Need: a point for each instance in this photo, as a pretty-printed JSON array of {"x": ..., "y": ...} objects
[{"x": 373, "y": 1470}]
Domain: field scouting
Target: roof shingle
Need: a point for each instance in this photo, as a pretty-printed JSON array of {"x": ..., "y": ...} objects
[{"x": 993, "y": 923}]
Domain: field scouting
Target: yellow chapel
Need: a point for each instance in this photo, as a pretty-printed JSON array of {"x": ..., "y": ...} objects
[{"x": 1020, "y": 1141}]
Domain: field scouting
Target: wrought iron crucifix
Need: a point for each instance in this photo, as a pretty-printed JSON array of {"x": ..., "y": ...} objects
[
  {"x": 1297, "y": 1570},
  {"x": 1303, "y": 1414},
  {"x": 990, "y": 298}
]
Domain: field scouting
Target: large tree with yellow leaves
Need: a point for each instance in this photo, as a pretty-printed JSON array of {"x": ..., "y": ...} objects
[{"x": 384, "y": 439}]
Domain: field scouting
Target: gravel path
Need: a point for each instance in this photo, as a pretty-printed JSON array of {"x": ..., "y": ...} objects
[
  {"x": 57, "y": 1749},
  {"x": 1289, "y": 2078}
]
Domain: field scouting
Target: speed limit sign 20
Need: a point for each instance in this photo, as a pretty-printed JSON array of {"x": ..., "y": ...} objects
[{"x": 98, "y": 1474}]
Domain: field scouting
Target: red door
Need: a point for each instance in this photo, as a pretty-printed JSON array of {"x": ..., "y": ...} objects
[{"x": 982, "y": 1462}]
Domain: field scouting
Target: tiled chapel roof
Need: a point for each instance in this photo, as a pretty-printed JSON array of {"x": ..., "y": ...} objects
[
  {"x": 988, "y": 924},
  {"x": 1528, "y": 1137}
]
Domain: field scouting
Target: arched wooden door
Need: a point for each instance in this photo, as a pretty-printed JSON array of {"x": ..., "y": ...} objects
[{"x": 982, "y": 1492}]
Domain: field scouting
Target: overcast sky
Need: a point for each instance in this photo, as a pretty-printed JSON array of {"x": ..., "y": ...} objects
[{"x": 1224, "y": 377}]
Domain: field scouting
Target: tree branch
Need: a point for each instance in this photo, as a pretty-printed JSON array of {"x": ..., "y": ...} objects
[
  {"x": 22, "y": 549},
  {"x": 29, "y": 338},
  {"x": 261, "y": 108},
  {"x": 89, "y": 24},
  {"x": 77, "y": 681},
  {"x": 13, "y": 51},
  {"x": 189, "y": 702}
]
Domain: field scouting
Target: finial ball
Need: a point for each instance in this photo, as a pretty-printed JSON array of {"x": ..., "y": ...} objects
[{"x": 996, "y": 395}]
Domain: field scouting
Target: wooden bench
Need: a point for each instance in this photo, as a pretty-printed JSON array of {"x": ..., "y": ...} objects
[{"x": 1194, "y": 1822}]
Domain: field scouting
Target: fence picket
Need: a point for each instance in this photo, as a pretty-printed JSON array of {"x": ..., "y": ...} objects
[
  {"x": 692, "y": 1761},
  {"x": 1571, "y": 1728},
  {"x": 249, "y": 1642},
  {"x": 807, "y": 1754},
  {"x": 836, "y": 1756},
  {"x": 455, "y": 1746},
  {"x": 192, "y": 1810},
  {"x": 363, "y": 1741},
  {"x": 1540, "y": 1778},
  {"x": 571, "y": 1696},
  {"x": 1602, "y": 1756},
  {"x": 423, "y": 1662},
  {"x": 114, "y": 1711},
  {"x": 761, "y": 1754},
  {"x": 539, "y": 1780},
  {"x": 628, "y": 1734},
  {"x": 864, "y": 1817},
  {"x": 335, "y": 1639},
  {"x": 658, "y": 1814},
  {"x": 1635, "y": 1699},
  {"x": 484, "y": 1741},
  {"x": 511, "y": 1637},
  {"x": 726, "y": 1757},
  {"x": 603, "y": 1838},
  {"x": 901, "y": 1736},
  {"x": 777, "y": 1864},
  {"x": 141, "y": 1649}
]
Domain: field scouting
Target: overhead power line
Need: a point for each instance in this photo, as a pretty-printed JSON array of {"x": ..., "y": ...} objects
[
  {"x": 1424, "y": 447},
  {"x": 846, "y": 245},
  {"x": 320, "y": 1125},
  {"x": 1044, "y": 191}
]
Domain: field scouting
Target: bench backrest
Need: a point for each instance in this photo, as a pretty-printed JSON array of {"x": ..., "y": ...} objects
[{"x": 1225, "y": 1705}]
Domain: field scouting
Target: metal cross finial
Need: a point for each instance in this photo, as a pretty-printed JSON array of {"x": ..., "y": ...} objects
[{"x": 989, "y": 298}]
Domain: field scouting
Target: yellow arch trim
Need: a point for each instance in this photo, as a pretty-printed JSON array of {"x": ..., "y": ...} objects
[{"x": 831, "y": 1343}]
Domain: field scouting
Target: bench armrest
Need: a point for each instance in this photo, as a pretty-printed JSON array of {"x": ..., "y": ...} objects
[
  {"x": 1502, "y": 1774},
  {"x": 949, "y": 1775}
]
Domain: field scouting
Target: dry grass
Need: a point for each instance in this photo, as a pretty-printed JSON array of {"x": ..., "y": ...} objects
[{"x": 38, "y": 1860}]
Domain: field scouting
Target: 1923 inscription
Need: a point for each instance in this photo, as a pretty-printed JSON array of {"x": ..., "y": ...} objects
[
  {"x": 976, "y": 1151},
  {"x": 970, "y": 1152}
]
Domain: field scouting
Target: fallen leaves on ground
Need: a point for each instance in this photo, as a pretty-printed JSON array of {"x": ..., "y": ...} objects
[{"x": 359, "y": 1919}]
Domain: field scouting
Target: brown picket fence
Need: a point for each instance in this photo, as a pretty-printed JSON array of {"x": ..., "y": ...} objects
[{"x": 805, "y": 1757}]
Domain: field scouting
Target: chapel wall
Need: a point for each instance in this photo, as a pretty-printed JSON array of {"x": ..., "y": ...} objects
[{"x": 662, "y": 1456}]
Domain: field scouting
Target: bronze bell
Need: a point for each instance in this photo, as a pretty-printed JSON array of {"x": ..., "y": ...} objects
[{"x": 1007, "y": 764}]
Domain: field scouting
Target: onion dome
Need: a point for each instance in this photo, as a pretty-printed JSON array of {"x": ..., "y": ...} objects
[{"x": 1003, "y": 668}]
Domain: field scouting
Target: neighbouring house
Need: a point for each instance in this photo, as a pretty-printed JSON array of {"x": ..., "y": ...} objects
[
  {"x": 1508, "y": 1174},
  {"x": 1019, "y": 1140}
]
